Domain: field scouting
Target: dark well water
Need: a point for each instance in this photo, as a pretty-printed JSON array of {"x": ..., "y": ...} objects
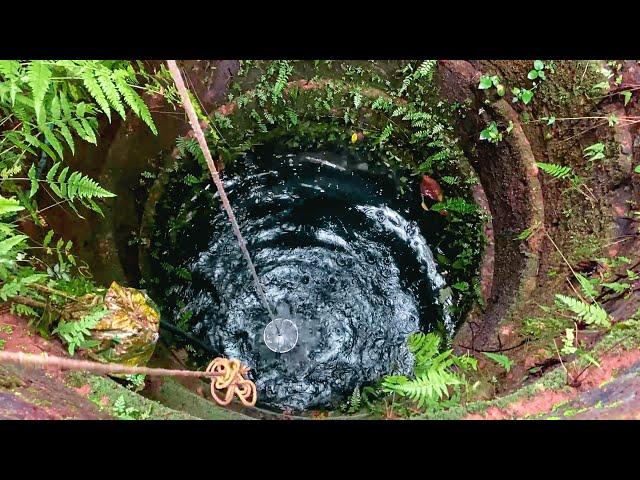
[{"x": 337, "y": 252}]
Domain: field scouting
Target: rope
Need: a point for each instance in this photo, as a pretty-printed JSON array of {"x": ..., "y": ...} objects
[
  {"x": 197, "y": 129},
  {"x": 225, "y": 374},
  {"x": 44, "y": 360}
]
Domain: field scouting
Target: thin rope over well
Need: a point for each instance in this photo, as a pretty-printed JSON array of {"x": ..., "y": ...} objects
[
  {"x": 226, "y": 375},
  {"x": 197, "y": 129},
  {"x": 32, "y": 360}
]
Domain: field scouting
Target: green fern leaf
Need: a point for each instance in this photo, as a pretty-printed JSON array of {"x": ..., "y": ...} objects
[
  {"x": 66, "y": 134},
  {"x": 587, "y": 287},
  {"x": 94, "y": 89},
  {"x": 386, "y": 133},
  {"x": 9, "y": 205},
  {"x": 426, "y": 69},
  {"x": 80, "y": 130},
  {"x": 51, "y": 174},
  {"x": 85, "y": 187},
  {"x": 38, "y": 144},
  {"x": 10, "y": 243},
  {"x": 90, "y": 135},
  {"x": 34, "y": 181},
  {"x": 423, "y": 346},
  {"x": 133, "y": 99},
  {"x": 284, "y": 69},
  {"x": 39, "y": 79},
  {"x": 455, "y": 205},
  {"x": 556, "y": 171},
  {"x": 592, "y": 314},
  {"x": 64, "y": 104},
  {"x": 502, "y": 360},
  {"x": 53, "y": 141},
  {"x": 54, "y": 107},
  {"x": 111, "y": 91}
]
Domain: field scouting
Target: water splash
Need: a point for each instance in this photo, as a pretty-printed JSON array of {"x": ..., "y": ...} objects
[{"x": 336, "y": 251}]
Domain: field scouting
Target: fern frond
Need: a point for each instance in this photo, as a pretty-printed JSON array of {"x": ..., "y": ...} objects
[
  {"x": 133, "y": 99},
  {"x": 53, "y": 141},
  {"x": 386, "y": 133},
  {"x": 77, "y": 186},
  {"x": 381, "y": 103},
  {"x": 110, "y": 91},
  {"x": 39, "y": 78},
  {"x": 92, "y": 86},
  {"x": 592, "y": 314},
  {"x": 455, "y": 205},
  {"x": 555, "y": 170},
  {"x": 426, "y": 69},
  {"x": 430, "y": 386},
  {"x": 75, "y": 333},
  {"x": 284, "y": 69},
  {"x": 66, "y": 134},
  {"x": 423, "y": 346}
]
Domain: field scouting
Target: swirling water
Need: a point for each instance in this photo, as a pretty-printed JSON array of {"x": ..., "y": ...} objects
[{"x": 337, "y": 252}]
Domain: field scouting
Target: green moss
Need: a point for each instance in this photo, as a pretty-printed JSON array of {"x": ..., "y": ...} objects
[
  {"x": 175, "y": 396},
  {"x": 105, "y": 387},
  {"x": 8, "y": 379}
]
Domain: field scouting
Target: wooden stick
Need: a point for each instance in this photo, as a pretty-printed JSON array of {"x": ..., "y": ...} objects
[{"x": 32, "y": 360}]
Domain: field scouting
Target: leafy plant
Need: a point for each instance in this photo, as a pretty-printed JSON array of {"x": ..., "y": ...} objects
[
  {"x": 455, "y": 205},
  {"x": 591, "y": 314},
  {"x": 522, "y": 94},
  {"x": 538, "y": 71},
  {"x": 136, "y": 381},
  {"x": 594, "y": 152},
  {"x": 124, "y": 412},
  {"x": 502, "y": 360},
  {"x": 568, "y": 342},
  {"x": 435, "y": 373},
  {"x": 354, "y": 403},
  {"x": 617, "y": 287},
  {"x": 487, "y": 82},
  {"x": 555, "y": 170},
  {"x": 46, "y": 106},
  {"x": 75, "y": 334},
  {"x": 491, "y": 133}
]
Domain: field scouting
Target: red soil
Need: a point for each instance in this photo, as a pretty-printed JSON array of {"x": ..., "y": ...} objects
[{"x": 545, "y": 401}]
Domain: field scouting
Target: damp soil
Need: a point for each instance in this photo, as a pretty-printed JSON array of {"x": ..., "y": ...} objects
[{"x": 340, "y": 249}]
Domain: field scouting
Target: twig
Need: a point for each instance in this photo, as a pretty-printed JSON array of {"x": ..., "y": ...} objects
[
  {"x": 31, "y": 360},
  {"x": 560, "y": 358}
]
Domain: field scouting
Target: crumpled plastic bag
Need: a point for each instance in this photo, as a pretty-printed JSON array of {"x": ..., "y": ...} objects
[{"x": 129, "y": 331}]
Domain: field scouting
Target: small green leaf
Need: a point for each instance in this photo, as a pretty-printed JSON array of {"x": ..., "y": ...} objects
[
  {"x": 9, "y": 205},
  {"x": 485, "y": 82},
  {"x": 526, "y": 96},
  {"x": 502, "y": 360},
  {"x": 533, "y": 74},
  {"x": 462, "y": 286},
  {"x": 538, "y": 64},
  {"x": 7, "y": 244},
  {"x": 47, "y": 238},
  {"x": 601, "y": 86},
  {"x": 627, "y": 96},
  {"x": 39, "y": 77},
  {"x": 34, "y": 181}
]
